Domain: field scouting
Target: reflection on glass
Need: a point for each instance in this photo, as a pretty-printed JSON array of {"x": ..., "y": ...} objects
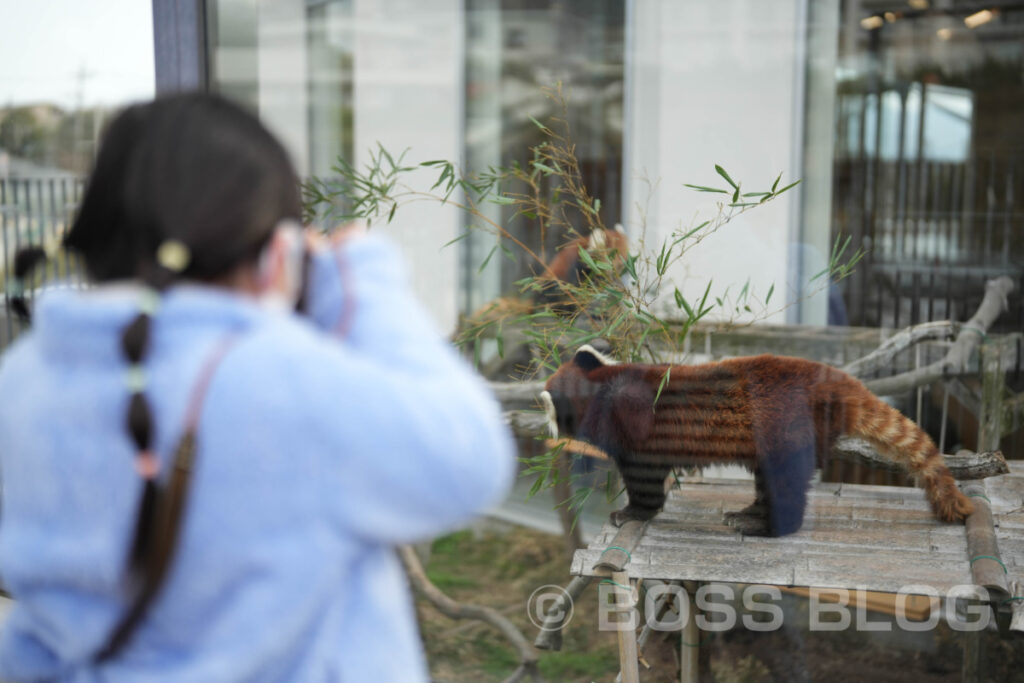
[
  {"x": 515, "y": 49},
  {"x": 928, "y": 157}
]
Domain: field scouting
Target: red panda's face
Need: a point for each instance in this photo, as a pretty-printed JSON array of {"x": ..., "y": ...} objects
[{"x": 569, "y": 391}]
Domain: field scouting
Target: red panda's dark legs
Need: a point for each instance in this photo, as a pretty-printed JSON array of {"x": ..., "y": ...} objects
[
  {"x": 645, "y": 489},
  {"x": 753, "y": 519}
]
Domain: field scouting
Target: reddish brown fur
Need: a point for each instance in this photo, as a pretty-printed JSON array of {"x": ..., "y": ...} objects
[{"x": 761, "y": 412}]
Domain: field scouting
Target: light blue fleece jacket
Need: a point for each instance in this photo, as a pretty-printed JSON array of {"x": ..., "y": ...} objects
[{"x": 321, "y": 445}]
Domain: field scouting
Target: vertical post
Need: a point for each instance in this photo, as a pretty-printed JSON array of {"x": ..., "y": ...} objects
[
  {"x": 179, "y": 45},
  {"x": 689, "y": 646},
  {"x": 572, "y": 532},
  {"x": 993, "y": 385},
  {"x": 628, "y": 650}
]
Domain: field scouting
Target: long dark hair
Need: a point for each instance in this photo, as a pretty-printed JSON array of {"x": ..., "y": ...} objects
[{"x": 202, "y": 173}]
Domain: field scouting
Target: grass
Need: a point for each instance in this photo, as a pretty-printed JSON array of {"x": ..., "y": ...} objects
[{"x": 501, "y": 570}]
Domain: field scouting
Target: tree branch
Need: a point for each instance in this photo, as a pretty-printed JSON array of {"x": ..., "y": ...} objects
[
  {"x": 963, "y": 465},
  {"x": 454, "y": 610},
  {"x": 902, "y": 340},
  {"x": 956, "y": 360}
]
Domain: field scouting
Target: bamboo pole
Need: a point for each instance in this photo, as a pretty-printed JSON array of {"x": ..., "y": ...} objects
[
  {"x": 629, "y": 659},
  {"x": 987, "y": 566},
  {"x": 689, "y": 649}
]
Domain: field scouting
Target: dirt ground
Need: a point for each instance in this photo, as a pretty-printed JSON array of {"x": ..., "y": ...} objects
[{"x": 501, "y": 568}]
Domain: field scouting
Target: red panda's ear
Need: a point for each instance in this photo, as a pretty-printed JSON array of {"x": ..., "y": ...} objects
[{"x": 588, "y": 358}]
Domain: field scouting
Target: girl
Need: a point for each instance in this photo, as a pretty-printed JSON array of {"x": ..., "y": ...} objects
[{"x": 198, "y": 484}]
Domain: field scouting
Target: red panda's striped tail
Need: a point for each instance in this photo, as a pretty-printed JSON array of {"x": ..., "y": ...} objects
[{"x": 899, "y": 439}]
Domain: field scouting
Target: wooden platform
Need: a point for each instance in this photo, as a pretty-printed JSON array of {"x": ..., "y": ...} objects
[{"x": 877, "y": 538}]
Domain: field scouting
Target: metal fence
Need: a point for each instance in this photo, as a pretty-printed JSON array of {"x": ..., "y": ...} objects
[
  {"x": 934, "y": 233},
  {"x": 35, "y": 211}
]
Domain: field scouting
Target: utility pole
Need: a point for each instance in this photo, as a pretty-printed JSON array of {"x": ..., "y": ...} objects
[{"x": 80, "y": 142}]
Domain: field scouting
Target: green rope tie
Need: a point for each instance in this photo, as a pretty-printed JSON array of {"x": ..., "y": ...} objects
[
  {"x": 1012, "y": 600},
  {"x": 615, "y": 583},
  {"x": 979, "y": 495},
  {"x": 989, "y": 557},
  {"x": 616, "y": 547},
  {"x": 984, "y": 335}
]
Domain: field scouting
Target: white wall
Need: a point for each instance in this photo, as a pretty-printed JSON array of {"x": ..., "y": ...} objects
[
  {"x": 281, "y": 65},
  {"x": 408, "y": 93},
  {"x": 718, "y": 82}
]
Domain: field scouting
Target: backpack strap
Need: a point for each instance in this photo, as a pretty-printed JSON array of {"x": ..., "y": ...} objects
[{"x": 167, "y": 520}]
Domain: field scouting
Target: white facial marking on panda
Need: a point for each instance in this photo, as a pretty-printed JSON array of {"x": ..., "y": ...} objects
[
  {"x": 549, "y": 411},
  {"x": 598, "y": 239}
]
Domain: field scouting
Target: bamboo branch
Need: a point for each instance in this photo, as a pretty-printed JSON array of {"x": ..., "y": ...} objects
[{"x": 454, "y": 610}]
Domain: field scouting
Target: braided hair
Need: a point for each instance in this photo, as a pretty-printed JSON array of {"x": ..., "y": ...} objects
[{"x": 188, "y": 186}]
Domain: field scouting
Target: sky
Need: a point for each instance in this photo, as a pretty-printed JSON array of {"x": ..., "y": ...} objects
[{"x": 44, "y": 44}]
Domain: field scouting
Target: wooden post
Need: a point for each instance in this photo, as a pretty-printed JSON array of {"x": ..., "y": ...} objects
[
  {"x": 993, "y": 382},
  {"x": 628, "y": 651},
  {"x": 1017, "y": 607},
  {"x": 689, "y": 645}
]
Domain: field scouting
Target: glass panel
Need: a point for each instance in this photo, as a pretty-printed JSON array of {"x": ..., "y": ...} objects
[
  {"x": 928, "y": 157},
  {"x": 65, "y": 68},
  {"x": 514, "y": 50}
]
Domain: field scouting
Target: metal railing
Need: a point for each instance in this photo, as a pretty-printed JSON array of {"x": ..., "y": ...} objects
[{"x": 35, "y": 211}]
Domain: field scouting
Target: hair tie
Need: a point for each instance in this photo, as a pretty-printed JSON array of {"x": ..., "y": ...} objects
[
  {"x": 147, "y": 464},
  {"x": 149, "y": 301},
  {"x": 174, "y": 255},
  {"x": 136, "y": 378}
]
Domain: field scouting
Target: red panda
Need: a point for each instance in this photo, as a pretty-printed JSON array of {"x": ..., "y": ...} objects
[
  {"x": 775, "y": 415},
  {"x": 567, "y": 267}
]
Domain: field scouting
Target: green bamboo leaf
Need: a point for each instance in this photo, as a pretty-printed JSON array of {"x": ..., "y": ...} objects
[
  {"x": 587, "y": 259},
  {"x": 702, "y": 188},
  {"x": 768, "y": 298},
  {"x": 776, "y": 183},
  {"x": 488, "y": 259},
  {"x": 629, "y": 265},
  {"x": 664, "y": 381},
  {"x": 501, "y": 199},
  {"x": 539, "y": 125},
  {"x": 790, "y": 186},
  {"x": 721, "y": 172}
]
